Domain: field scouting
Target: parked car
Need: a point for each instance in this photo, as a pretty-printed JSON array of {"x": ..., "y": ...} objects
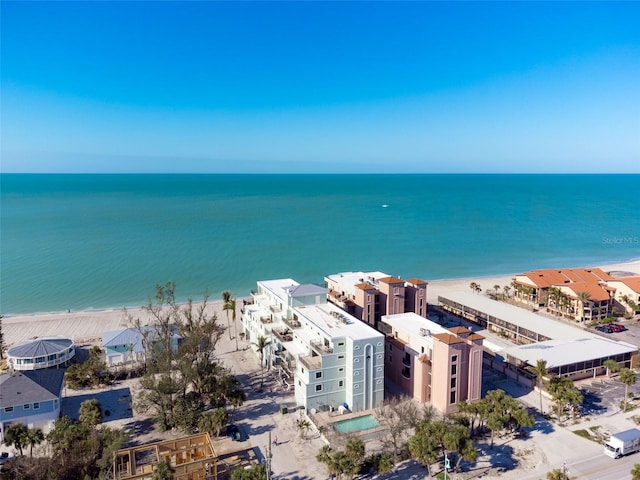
[
  {"x": 235, "y": 433},
  {"x": 5, "y": 457},
  {"x": 604, "y": 328}
]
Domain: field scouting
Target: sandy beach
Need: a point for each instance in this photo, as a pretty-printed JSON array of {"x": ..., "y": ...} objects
[{"x": 87, "y": 326}]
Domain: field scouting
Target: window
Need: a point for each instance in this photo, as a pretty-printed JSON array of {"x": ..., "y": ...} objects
[
  {"x": 340, "y": 357},
  {"x": 453, "y": 369},
  {"x": 452, "y": 397},
  {"x": 454, "y": 358},
  {"x": 318, "y": 375},
  {"x": 356, "y": 386},
  {"x": 36, "y": 405},
  {"x": 406, "y": 372},
  {"x": 341, "y": 344},
  {"x": 357, "y": 347},
  {"x": 26, "y": 406},
  {"x": 299, "y": 383},
  {"x": 356, "y": 373},
  {"x": 302, "y": 368},
  {"x": 453, "y": 382},
  {"x": 422, "y": 349},
  {"x": 8, "y": 409},
  {"x": 356, "y": 360},
  {"x": 341, "y": 369},
  {"x": 379, "y": 344},
  {"x": 390, "y": 359},
  {"x": 390, "y": 347},
  {"x": 379, "y": 369},
  {"x": 318, "y": 388},
  {"x": 341, "y": 383}
]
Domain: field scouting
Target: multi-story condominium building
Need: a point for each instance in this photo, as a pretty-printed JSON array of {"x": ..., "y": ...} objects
[
  {"x": 370, "y": 295},
  {"x": 329, "y": 357},
  {"x": 626, "y": 294},
  {"x": 533, "y": 287},
  {"x": 432, "y": 363},
  {"x": 579, "y": 301}
]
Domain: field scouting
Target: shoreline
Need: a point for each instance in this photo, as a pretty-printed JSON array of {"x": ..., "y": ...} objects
[{"x": 85, "y": 326}]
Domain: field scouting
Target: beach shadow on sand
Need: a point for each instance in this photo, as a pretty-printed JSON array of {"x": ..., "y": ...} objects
[{"x": 115, "y": 404}]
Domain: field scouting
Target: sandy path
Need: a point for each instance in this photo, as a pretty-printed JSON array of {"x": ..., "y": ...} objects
[{"x": 88, "y": 325}]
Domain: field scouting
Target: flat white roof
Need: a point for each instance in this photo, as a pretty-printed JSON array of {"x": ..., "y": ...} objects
[
  {"x": 569, "y": 344},
  {"x": 567, "y": 352},
  {"x": 337, "y": 324},
  {"x": 348, "y": 280},
  {"x": 517, "y": 316},
  {"x": 413, "y": 323},
  {"x": 279, "y": 288}
]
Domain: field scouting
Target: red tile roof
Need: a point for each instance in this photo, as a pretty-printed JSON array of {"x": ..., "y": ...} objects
[
  {"x": 448, "y": 338},
  {"x": 595, "y": 291},
  {"x": 390, "y": 280},
  {"x": 417, "y": 281}
]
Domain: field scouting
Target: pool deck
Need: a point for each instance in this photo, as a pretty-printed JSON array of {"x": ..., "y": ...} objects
[{"x": 324, "y": 422}]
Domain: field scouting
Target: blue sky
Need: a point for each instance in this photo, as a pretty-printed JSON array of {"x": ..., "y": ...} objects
[{"x": 320, "y": 87}]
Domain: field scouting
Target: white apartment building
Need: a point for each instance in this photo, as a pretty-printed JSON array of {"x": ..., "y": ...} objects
[{"x": 329, "y": 357}]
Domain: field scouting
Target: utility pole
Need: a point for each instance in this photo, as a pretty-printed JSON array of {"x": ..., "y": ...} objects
[{"x": 268, "y": 455}]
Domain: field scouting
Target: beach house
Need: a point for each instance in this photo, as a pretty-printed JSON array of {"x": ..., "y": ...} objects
[
  {"x": 330, "y": 358},
  {"x": 40, "y": 353},
  {"x": 432, "y": 363},
  {"x": 369, "y": 296},
  {"x": 30, "y": 397},
  {"x": 128, "y": 344}
]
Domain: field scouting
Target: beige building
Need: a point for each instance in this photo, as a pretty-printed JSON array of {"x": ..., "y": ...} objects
[
  {"x": 533, "y": 288},
  {"x": 626, "y": 294},
  {"x": 369, "y": 296},
  {"x": 579, "y": 301},
  {"x": 431, "y": 363}
]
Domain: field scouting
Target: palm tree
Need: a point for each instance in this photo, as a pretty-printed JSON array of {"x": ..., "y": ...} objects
[
  {"x": 213, "y": 422},
  {"x": 35, "y": 436},
  {"x": 231, "y": 305},
  {"x": 473, "y": 286},
  {"x": 303, "y": 425},
  {"x": 628, "y": 377},
  {"x": 261, "y": 344},
  {"x": 385, "y": 464},
  {"x": 91, "y": 412},
  {"x": 635, "y": 472},
  {"x": 506, "y": 289},
  {"x": 226, "y": 296},
  {"x": 611, "y": 366},
  {"x": 584, "y": 298},
  {"x": 540, "y": 371},
  {"x": 163, "y": 471},
  {"x": 496, "y": 288},
  {"x": 16, "y": 435}
]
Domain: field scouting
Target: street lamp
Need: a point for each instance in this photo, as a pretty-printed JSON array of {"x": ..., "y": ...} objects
[{"x": 447, "y": 466}]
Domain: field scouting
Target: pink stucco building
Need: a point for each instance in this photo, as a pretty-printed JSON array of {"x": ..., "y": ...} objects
[
  {"x": 431, "y": 363},
  {"x": 369, "y": 296}
]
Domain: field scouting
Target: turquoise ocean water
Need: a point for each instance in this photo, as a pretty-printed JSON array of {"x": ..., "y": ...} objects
[{"x": 96, "y": 241}]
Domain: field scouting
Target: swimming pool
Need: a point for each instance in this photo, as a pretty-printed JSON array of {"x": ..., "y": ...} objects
[{"x": 356, "y": 424}]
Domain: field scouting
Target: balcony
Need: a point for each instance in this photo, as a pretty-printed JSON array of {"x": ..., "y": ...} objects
[
  {"x": 275, "y": 309},
  {"x": 320, "y": 348},
  {"x": 266, "y": 319},
  {"x": 291, "y": 322},
  {"x": 285, "y": 335},
  {"x": 311, "y": 362}
]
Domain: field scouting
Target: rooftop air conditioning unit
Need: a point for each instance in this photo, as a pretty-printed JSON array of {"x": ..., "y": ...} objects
[{"x": 425, "y": 332}]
